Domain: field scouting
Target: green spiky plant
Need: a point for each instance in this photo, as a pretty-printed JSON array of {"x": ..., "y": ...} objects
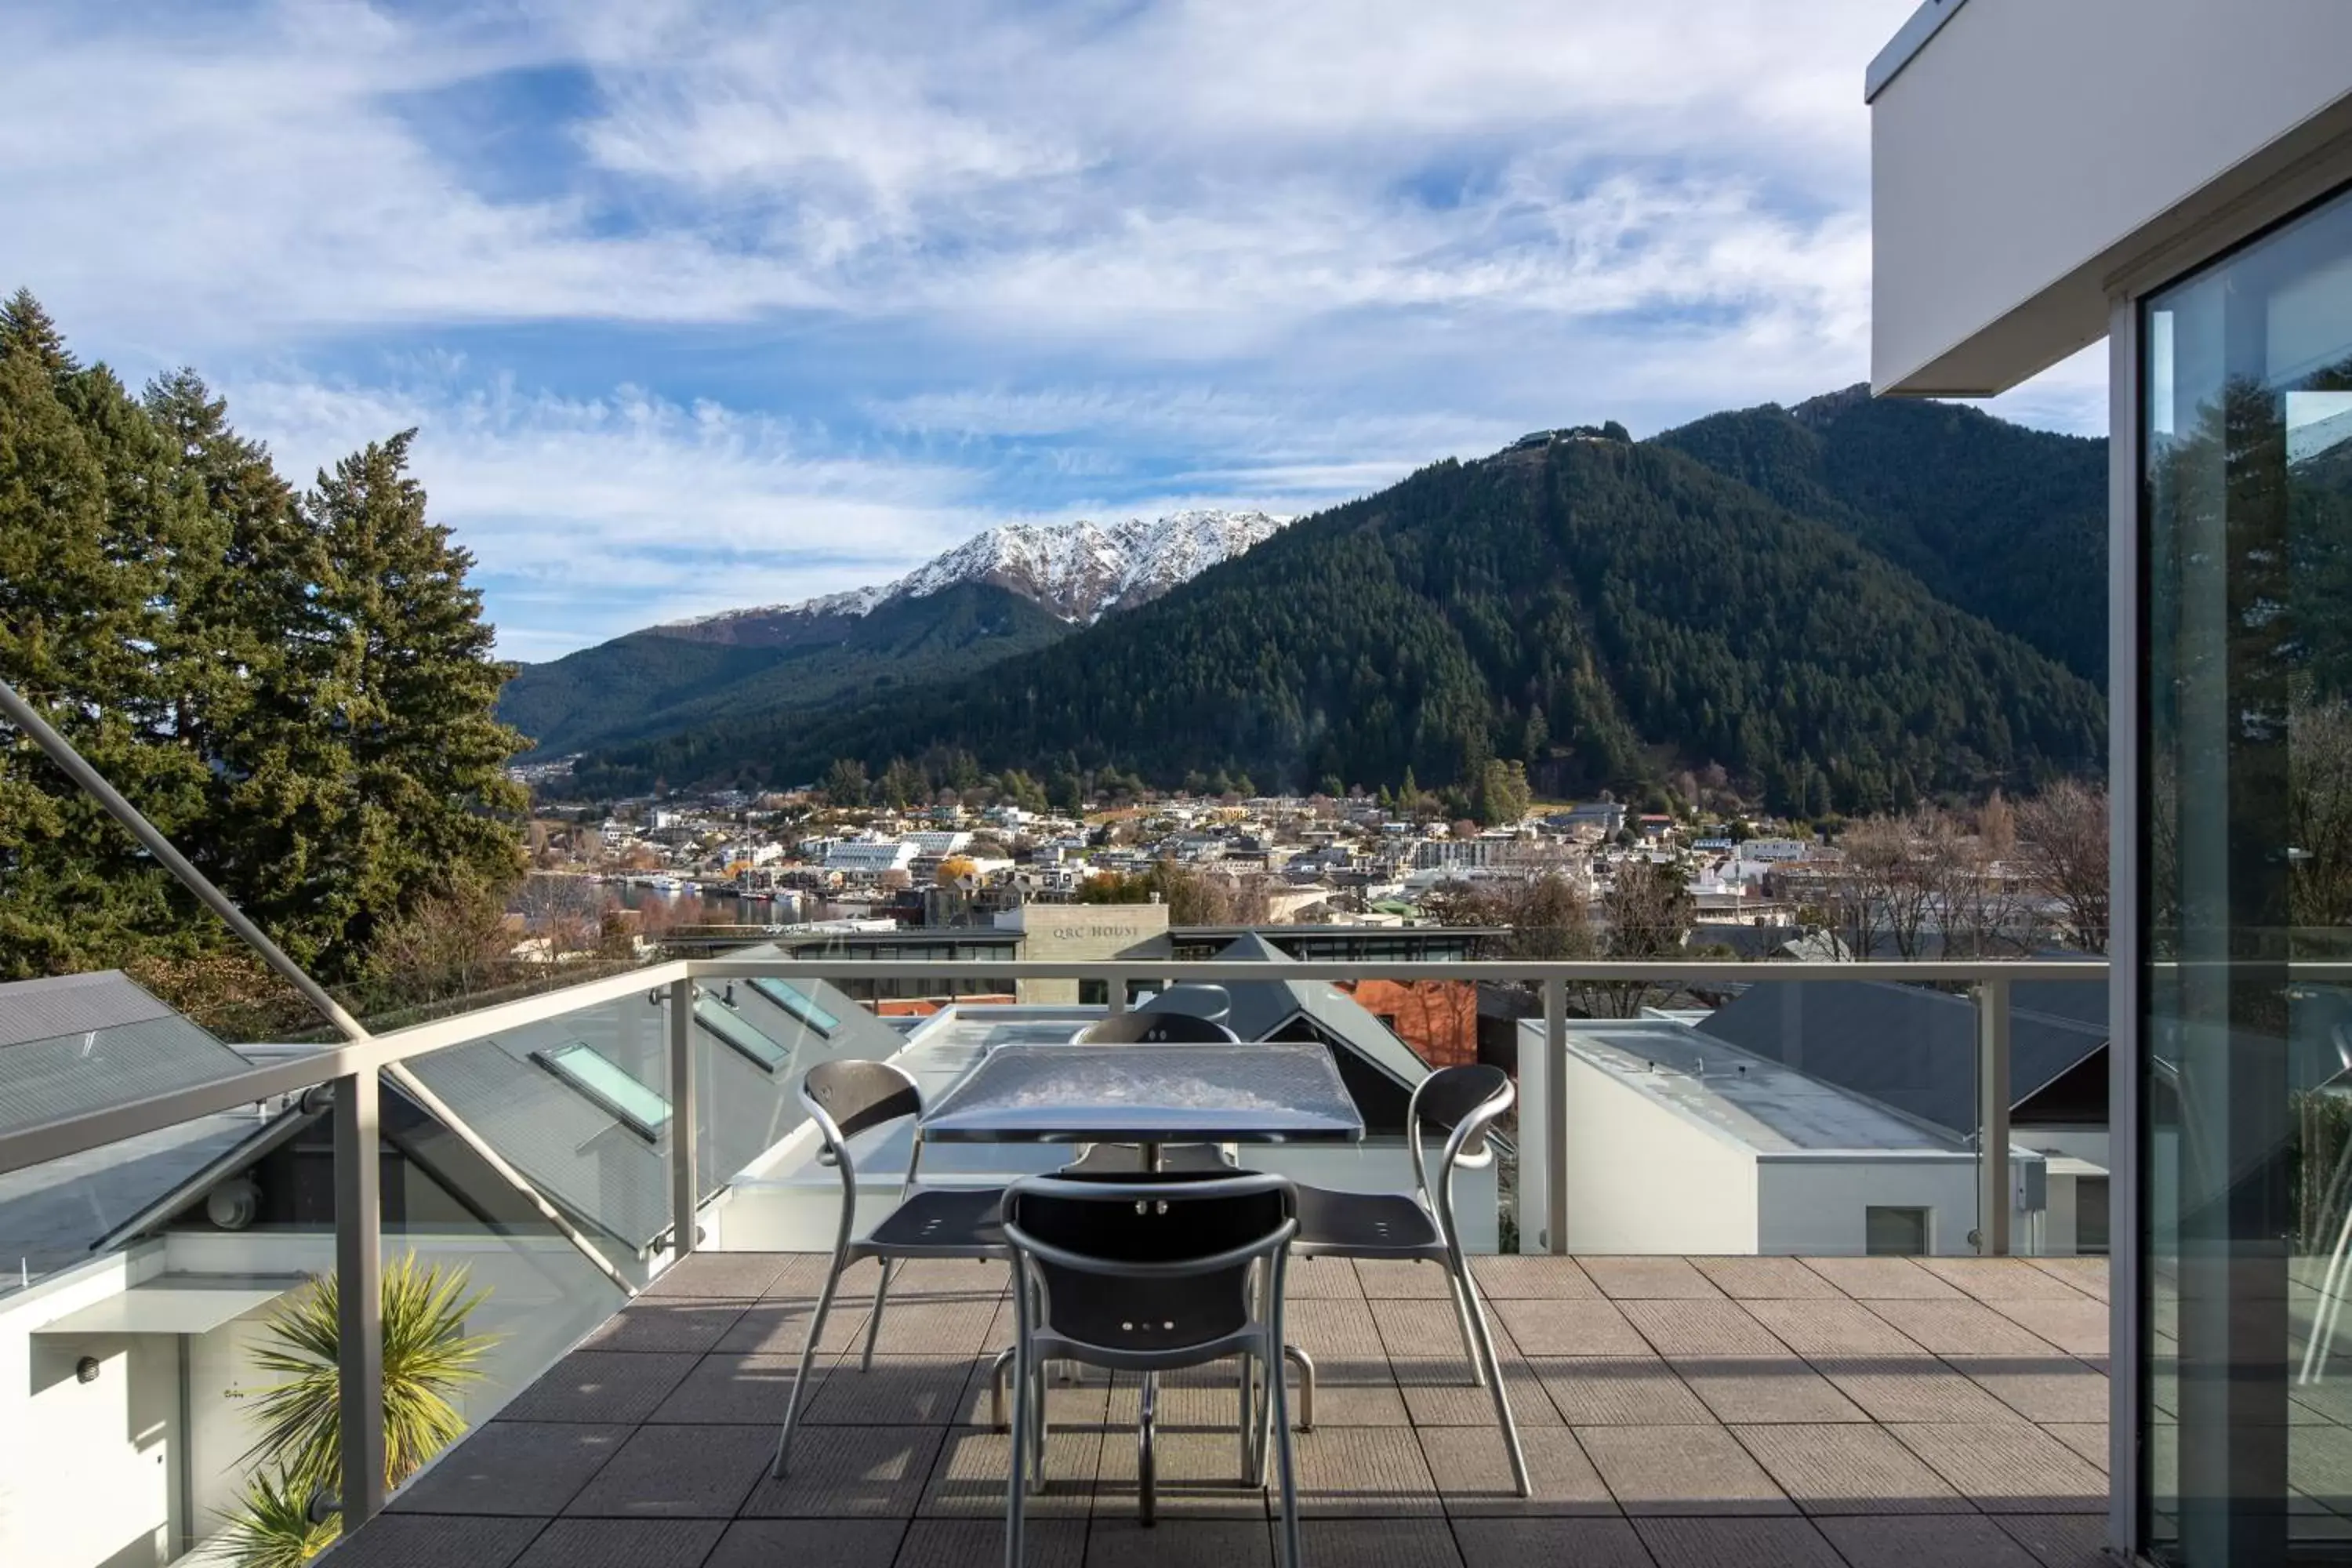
[
  {"x": 271, "y": 1526},
  {"x": 427, "y": 1357}
]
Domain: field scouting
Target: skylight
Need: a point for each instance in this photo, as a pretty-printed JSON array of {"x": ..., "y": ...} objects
[
  {"x": 795, "y": 1002},
  {"x": 579, "y": 1064},
  {"x": 738, "y": 1032}
]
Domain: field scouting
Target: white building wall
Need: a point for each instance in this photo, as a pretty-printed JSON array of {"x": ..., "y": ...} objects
[
  {"x": 1813, "y": 1205},
  {"x": 1642, "y": 1179}
]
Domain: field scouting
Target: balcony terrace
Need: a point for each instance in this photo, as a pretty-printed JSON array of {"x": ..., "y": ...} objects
[{"x": 1854, "y": 1411}]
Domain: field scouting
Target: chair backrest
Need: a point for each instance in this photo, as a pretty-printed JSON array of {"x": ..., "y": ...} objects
[
  {"x": 1141, "y": 1028},
  {"x": 845, "y": 1097},
  {"x": 1213, "y": 1002},
  {"x": 1466, "y": 1102},
  {"x": 1150, "y": 1268}
]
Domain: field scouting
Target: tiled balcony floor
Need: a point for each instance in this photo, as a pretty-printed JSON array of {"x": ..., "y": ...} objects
[{"x": 1675, "y": 1412}]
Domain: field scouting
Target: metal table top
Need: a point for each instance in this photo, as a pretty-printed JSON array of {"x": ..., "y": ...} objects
[{"x": 1244, "y": 1093}]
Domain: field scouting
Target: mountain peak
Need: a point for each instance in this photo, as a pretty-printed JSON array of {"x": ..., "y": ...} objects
[{"x": 1079, "y": 571}]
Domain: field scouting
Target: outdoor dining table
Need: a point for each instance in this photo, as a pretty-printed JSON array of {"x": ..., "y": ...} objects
[{"x": 1263, "y": 1092}]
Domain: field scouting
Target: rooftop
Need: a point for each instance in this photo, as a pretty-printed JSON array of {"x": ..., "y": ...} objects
[{"x": 1854, "y": 1412}]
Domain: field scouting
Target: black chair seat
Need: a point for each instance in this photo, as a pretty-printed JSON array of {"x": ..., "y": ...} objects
[
  {"x": 941, "y": 1219},
  {"x": 1127, "y": 1159},
  {"x": 1363, "y": 1225}
]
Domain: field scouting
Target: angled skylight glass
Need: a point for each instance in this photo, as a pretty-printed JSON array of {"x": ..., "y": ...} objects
[
  {"x": 610, "y": 1086},
  {"x": 738, "y": 1032},
  {"x": 797, "y": 1003}
]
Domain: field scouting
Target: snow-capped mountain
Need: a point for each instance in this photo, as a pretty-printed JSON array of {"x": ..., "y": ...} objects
[{"x": 1081, "y": 571}]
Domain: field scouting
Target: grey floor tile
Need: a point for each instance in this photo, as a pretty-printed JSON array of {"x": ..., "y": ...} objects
[
  {"x": 934, "y": 1325},
  {"x": 804, "y": 1278},
  {"x": 897, "y": 1391},
  {"x": 1473, "y": 1471},
  {"x": 1765, "y": 1280},
  {"x": 726, "y": 1389},
  {"x": 2088, "y": 1439},
  {"x": 2088, "y": 1275},
  {"x": 1419, "y": 1329},
  {"x": 2078, "y": 1327},
  {"x": 1070, "y": 1401},
  {"x": 512, "y": 1468},
  {"x": 2320, "y": 1462},
  {"x": 2040, "y": 1388},
  {"x": 2011, "y": 1468},
  {"x": 1748, "y": 1389},
  {"x": 1567, "y": 1328},
  {"x": 974, "y": 1465},
  {"x": 1619, "y": 1391},
  {"x": 1680, "y": 1469},
  {"x": 602, "y": 1385},
  {"x": 1848, "y": 1468},
  {"x": 813, "y": 1543},
  {"x": 1332, "y": 1327},
  {"x": 1960, "y": 1328},
  {"x": 965, "y": 1278},
  {"x": 1701, "y": 1328},
  {"x": 1441, "y": 1394},
  {"x": 1831, "y": 1328},
  {"x": 1197, "y": 1399},
  {"x": 1364, "y": 1471},
  {"x": 1530, "y": 1542},
  {"x": 1377, "y": 1544},
  {"x": 851, "y": 1472},
  {"x": 678, "y": 1472},
  {"x": 1532, "y": 1276},
  {"x": 1386, "y": 1281},
  {"x": 725, "y": 1274},
  {"x": 1882, "y": 1278},
  {"x": 980, "y": 1543},
  {"x": 1648, "y": 1279},
  {"x": 1118, "y": 1540},
  {"x": 2003, "y": 1278},
  {"x": 624, "y": 1543},
  {"x": 1359, "y": 1390},
  {"x": 1910, "y": 1388},
  {"x": 2061, "y": 1540},
  {"x": 1973, "y": 1542},
  {"x": 1197, "y": 1474},
  {"x": 780, "y": 1328},
  {"x": 436, "y": 1541},
  {"x": 1322, "y": 1279},
  {"x": 666, "y": 1323},
  {"x": 1747, "y": 1542}
]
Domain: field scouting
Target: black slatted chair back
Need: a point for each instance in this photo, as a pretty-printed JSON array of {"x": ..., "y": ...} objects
[
  {"x": 1450, "y": 1096},
  {"x": 1213, "y": 1002},
  {"x": 1143, "y": 1028},
  {"x": 1114, "y": 1255},
  {"x": 858, "y": 1095}
]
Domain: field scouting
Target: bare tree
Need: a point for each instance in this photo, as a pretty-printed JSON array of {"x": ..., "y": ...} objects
[
  {"x": 2063, "y": 834},
  {"x": 2319, "y": 891}
]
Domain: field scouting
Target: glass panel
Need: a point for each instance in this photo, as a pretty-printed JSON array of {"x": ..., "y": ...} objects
[
  {"x": 610, "y": 1086},
  {"x": 2248, "y": 538},
  {"x": 729, "y": 1025},
  {"x": 795, "y": 1002}
]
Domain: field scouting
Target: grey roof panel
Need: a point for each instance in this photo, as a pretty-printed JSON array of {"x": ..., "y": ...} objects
[
  {"x": 1910, "y": 1047},
  {"x": 70, "y": 1004},
  {"x": 117, "y": 1044}
]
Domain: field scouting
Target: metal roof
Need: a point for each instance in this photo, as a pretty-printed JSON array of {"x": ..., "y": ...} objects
[
  {"x": 1910, "y": 1047},
  {"x": 1914, "y": 35}
]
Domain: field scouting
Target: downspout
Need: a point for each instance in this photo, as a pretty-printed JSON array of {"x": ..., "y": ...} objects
[{"x": 70, "y": 761}]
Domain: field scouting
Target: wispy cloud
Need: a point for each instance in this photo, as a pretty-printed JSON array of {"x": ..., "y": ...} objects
[{"x": 698, "y": 302}]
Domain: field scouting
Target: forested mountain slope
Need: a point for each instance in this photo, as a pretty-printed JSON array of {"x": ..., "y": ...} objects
[{"x": 1604, "y": 611}]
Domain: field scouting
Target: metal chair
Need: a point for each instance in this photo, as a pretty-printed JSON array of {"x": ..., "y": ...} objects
[
  {"x": 1416, "y": 1227},
  {"x": 1213, "y": 1002},
  {"x": 844, "y": 1099},
  {"x": 1146, "y": 1277},
  {"x": 1145, "y": 1025}
]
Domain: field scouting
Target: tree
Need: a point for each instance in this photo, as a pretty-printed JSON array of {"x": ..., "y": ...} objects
[
  {"x": 1650, "y": 914},
  {"x": 1503, "y": 793},
  {"x": 428, "y": 1357},
  {"x": 2063, "y": 834},
  {"x": 955, "y": 868},
  {"x": 845, "y": 783}
]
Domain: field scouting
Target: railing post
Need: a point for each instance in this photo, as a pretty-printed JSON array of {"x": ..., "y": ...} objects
[
  {"x": 1115, "y": 988},
  {"x": 684, "y": 1199},
  {"x": 359, "y": 1300},
  {"x": 1993, "y": 1201},
  {"x": 1555, "y": 999}
]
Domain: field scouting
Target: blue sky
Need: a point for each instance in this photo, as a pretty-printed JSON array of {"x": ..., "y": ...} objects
[{"x": 697, "y": 305}]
